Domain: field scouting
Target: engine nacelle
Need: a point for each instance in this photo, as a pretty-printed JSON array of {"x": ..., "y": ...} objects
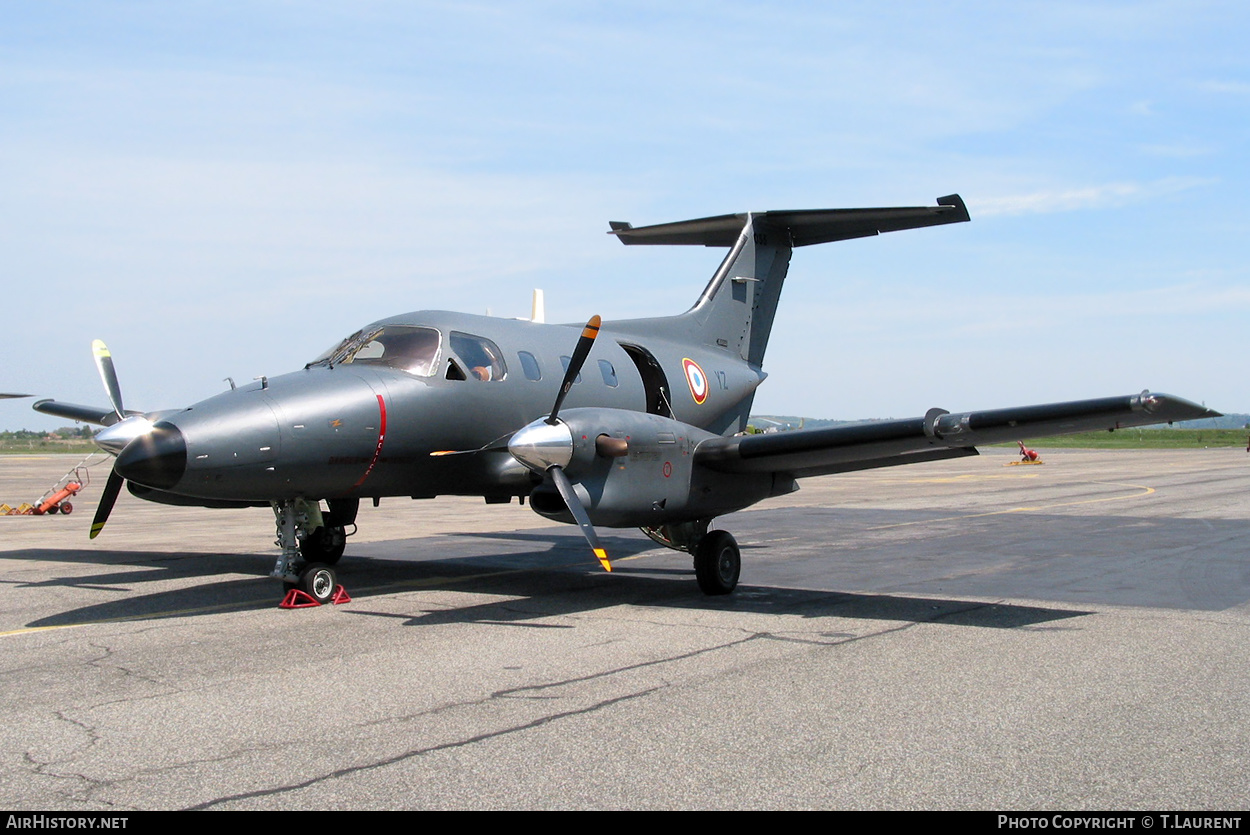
[{"x": 633, "y": 469}]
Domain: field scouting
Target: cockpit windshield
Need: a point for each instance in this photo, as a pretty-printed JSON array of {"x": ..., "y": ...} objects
[{"x": 410, "y": 349}]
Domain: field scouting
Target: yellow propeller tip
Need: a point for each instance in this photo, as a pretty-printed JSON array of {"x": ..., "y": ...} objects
[{"x": 602, "y": 555}]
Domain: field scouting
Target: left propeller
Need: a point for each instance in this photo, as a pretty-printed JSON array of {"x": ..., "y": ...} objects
[
  {"x": 121, "y": 428},
  {"x": 114, "y": 438}
]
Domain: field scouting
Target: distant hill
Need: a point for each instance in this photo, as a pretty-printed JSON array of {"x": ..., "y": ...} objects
[{"x": 1237, "y": 420}]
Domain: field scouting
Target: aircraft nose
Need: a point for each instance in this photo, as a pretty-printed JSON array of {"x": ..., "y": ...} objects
[{"x": 157, "y": 459}]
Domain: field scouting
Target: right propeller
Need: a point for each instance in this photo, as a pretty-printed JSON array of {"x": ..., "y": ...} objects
[{"x": 546, "y": 445}]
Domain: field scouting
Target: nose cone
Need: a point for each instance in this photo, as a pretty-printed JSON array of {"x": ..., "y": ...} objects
[{"x": 157, "y": 459}]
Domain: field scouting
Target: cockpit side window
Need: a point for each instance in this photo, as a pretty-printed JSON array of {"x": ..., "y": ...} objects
[
  {"x": 410, "y": 349},
  {"x": 482, "y": 356}
]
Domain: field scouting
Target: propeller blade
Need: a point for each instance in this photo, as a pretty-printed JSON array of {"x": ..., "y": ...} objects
[
  {"x": 578, "y": 359},
  {"x": 579, "y": 513},
  {"x": 107, "y": 499},
  {"x": 104, "y": 363},
  {"x": 8, "y": 396}
]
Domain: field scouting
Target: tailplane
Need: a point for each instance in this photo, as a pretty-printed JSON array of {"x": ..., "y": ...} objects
[{"x": 736, "y": 309}]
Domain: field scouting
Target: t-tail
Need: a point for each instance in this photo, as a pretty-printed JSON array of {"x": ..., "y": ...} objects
[{"x": 736, "y": 309}]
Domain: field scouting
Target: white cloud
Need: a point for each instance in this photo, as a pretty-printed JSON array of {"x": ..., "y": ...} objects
[{"x": 1107, "y": 195}]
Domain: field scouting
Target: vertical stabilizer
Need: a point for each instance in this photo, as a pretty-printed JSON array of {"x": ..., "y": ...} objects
[
  {"x": 736, "y": 310},
  {"x": 737, "y": 307}
]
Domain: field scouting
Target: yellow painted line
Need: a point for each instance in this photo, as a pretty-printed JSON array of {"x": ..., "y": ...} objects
[
  {"x": 1144, "y": 491},
  {"x": 956, "y": 479}
]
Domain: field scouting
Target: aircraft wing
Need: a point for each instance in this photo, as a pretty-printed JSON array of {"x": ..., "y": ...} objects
[
  {"x": 99, "y": 415},
  {"x": 937, "y": 435},
  {"x": 800, "y": 228}
]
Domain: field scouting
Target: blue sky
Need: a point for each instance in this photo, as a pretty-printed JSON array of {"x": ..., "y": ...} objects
[{"x": 225, "y": 189}]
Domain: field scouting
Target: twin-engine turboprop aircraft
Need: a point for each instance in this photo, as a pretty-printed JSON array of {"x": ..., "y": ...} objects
[{"x": 635, "y": 423}]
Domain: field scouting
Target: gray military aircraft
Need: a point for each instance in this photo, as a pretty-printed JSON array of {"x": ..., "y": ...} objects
[{"x": 639, "y": 425}]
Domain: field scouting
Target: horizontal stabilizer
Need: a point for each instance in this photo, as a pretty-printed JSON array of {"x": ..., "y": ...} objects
[
  {"x": 797, "y": 228},
  {"x": 939, "y": 434}
]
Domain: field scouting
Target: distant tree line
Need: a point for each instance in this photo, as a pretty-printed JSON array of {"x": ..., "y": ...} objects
[{"x": 84, "y": 432}]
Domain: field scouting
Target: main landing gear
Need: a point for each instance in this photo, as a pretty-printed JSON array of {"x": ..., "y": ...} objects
[
  {"x": 717, "y": 559},
  {"x": 302, "y": 533},
  {"x": 717, "y": 563}
]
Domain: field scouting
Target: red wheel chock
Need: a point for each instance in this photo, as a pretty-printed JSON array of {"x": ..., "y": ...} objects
[{"x": 296, "y": 599}]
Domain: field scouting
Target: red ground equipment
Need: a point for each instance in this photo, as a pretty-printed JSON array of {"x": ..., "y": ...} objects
[{"x": 54, "y": 501}]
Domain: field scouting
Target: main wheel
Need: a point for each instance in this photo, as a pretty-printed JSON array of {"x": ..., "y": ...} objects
[
  {"x": 325, "y": 545},
  {"x": 717, "y": 563},
  {"x": 317, "y": 580}
]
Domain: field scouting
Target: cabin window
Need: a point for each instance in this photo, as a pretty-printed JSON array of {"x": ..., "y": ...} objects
[
  {"x": 482, "y": 356},
  {"x": 410, "y": 349},
  {"x": 529, "y": 364},
  {"x": 608, "y": 372}
]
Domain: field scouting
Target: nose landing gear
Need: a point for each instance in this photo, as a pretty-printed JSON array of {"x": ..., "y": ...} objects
[{"x": 307, "y": 583}]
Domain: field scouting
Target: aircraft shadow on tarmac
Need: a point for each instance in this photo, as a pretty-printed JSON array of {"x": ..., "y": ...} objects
[
  {"x": 539, "y": 574},
  {"x": 889, "y": 565}
]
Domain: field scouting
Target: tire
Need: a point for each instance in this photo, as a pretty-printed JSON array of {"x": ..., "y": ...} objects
[
  {"x": 67, "y": 508},
  {"x": 324, "y": 545},
  {"x": 317, "y": 580},
  {"x": 717, "y": 563}
]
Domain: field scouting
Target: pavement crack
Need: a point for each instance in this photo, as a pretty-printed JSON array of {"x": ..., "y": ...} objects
[
  {"x": 629, "y": 668},
  {"x": 530, "y": 692},
  {"x": 419, "y": 752}
]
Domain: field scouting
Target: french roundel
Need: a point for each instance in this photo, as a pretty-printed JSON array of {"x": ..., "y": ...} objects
[{"x": 696, "y": 379}]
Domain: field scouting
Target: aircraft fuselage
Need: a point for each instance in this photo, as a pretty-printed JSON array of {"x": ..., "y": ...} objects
[{"x": 362, "y": 428}]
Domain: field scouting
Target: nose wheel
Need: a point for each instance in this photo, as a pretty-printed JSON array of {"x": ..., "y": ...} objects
[{"x": 317, "y": 586}]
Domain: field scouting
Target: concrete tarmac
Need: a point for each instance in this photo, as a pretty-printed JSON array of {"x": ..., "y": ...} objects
[{"x": 957, "y": 635}]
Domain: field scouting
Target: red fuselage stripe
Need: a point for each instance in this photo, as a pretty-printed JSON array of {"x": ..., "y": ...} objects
[{"x": 377, "y": 451}]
